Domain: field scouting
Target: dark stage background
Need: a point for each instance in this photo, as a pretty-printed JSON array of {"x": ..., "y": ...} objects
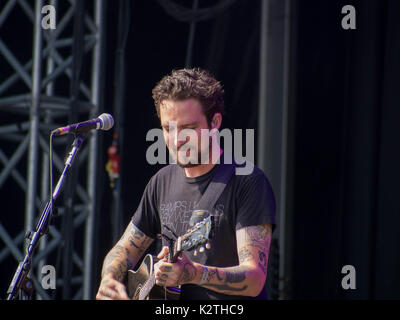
[{"x": 343, "y": 131}]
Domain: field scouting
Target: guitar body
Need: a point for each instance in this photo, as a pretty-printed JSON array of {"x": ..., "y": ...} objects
[{"x": 137, "y": 281}]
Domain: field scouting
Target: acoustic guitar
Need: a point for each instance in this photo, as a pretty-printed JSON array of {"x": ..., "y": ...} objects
[{"x": 141, "y": 283}]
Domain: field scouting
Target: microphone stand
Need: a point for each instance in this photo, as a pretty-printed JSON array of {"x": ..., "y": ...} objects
[{"x": 21, "y": 282}]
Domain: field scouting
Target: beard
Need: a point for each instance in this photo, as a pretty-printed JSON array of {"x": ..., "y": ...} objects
[
  {"x": 187, "y": 165},
  {"x": 190, "y": 163},
  {"x": 205, "y": 154}
]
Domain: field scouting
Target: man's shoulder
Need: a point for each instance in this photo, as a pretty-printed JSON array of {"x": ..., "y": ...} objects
[
  {"x": 163, "y": 178},
  {"x": 246, "y": 170}
]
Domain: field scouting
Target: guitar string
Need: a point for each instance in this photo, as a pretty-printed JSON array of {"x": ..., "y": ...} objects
[{"x": 149, "y": 283}]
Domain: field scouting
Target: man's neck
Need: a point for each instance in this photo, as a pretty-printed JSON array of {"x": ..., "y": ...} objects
[{"x": 201, "y": 169}]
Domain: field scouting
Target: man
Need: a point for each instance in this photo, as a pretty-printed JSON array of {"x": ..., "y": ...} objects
[{"x": 236, "y": 264}]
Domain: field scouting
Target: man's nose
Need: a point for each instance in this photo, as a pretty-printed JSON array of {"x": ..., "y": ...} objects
[{"x": 180, "y": 142}]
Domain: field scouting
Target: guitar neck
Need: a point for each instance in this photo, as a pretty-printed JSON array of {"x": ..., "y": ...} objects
[{"x": 175, "y": 250}]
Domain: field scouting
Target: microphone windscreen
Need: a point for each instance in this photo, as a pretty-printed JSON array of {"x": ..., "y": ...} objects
[{"x": 107, "y": 121}]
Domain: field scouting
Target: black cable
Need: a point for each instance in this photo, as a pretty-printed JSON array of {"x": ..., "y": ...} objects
[
  {"x": 184, "y": 14},
  {"x": 119, "y": 110},
  {"x": 192, "y": 31}
]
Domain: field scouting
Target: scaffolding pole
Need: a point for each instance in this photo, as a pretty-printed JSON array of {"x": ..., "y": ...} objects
[
  {"x": 275, "y": 141},
  {"x": 39, "y": 110}
]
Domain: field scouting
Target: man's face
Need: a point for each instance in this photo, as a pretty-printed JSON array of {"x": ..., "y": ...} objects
[{"x": 176, "y": 116}]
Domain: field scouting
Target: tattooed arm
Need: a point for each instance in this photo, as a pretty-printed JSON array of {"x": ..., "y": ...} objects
[
  {"x": 246, "y": 279},
  {"x": 125, "y": 254}
]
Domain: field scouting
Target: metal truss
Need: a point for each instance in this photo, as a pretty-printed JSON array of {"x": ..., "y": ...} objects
[{"x": 33, "y": 96}]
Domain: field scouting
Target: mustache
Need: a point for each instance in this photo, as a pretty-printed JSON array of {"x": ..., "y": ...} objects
[
  {"x": 195, "y": 146},
  {"x": 178, "y": 149}
]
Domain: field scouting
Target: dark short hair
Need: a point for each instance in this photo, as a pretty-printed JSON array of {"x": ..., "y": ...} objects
[{"x": 193, "y": 83}]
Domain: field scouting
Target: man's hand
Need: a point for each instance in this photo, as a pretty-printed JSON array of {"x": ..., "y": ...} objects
[
  {"x": 111, "y": 289},
  {"x": 167, "y": 274}
]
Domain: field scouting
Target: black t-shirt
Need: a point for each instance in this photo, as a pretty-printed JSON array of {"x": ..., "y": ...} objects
[{"x": 170, "y": 197}]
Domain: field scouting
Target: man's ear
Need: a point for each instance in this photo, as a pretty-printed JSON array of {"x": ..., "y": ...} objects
[{"x": 216, "y": 121}]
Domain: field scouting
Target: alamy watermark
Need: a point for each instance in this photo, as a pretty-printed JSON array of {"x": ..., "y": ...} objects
[
  {"x": 201, "y": 147},
  {"x": 49, "y": 20},
  {"x": 349, "y": 20},
  {"x": 349, "y": 280},
  {"x": 48, "y": 277}
]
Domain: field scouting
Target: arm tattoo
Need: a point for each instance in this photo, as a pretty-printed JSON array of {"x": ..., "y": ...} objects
[
  {"x": 137, "y": 238},
  {"x": 259, "y": 237},
  {"x": 263, "y": 261},
  {"x": 253, "y": 250},
  {"x": 117, "y": 270},
  {"x": 236, "y": 276},
  {"x": 117, "y": 261},
  {"x": 188, "y": 274},
  {"x": 129, "y": 265},
  {"x": 245, "y": 254}
]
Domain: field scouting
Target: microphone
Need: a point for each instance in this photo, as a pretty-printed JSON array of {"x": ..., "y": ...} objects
[{"x": 105, "y": 121}]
